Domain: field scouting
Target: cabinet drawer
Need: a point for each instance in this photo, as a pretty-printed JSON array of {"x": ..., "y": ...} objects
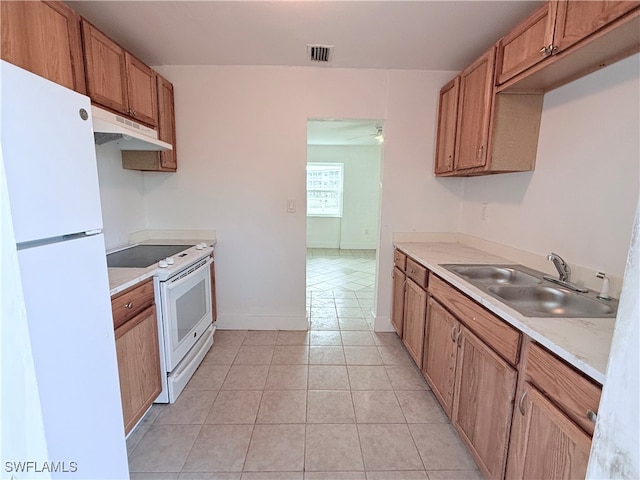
[
  {"x": 417, "y": 273},
  {"x": 399, "y": 260},
  {"x": 573, "y": 393},
  {"x": 129, "y": 303},
  {"x": 503, "y": 338}
]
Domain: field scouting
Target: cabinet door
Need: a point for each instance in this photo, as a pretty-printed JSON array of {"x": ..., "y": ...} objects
[
  {"x": 44, "y": 38},
  {"x": 576, "y": 20},
  {"x": 415, "y": 309},
  {"x": 105, "y": 68},
  {"x": 476, "y": 90},
  {"x": 483, "y": 404},
  {"x": 397, "y": 310},
  {"x": 525, "y": 45},
  {"x": 166, "y": 122},
  {"x": 440, "y": 353},
  {"x": 544, "y": 442},
  {"x": 447, "y": 120},
  {"x": 141, "y": 90},
  {"x": 138, "y": 365}
]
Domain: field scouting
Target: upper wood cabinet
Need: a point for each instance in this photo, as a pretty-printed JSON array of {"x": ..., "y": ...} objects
[
  {"x": 166, "y": 122},
  {"x": 493, "y": 132},
  {"x": 43, "y": 38},
  {"x": 116, "y": 79},
  {"x": 500, "y": 94},
  {"x": 476, "y": 89},
  {"x": 447, "y": 123},
  {"x": 528, "y": 43},
  {"x": 563, "y": 40},
  {"x": 165, "y": 161},
  {"x": 576, "y": 20},
  {"x": 141, "y": 89}
]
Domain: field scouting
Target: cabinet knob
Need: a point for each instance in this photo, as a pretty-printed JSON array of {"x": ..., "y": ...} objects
[
  {"x": 128, "y": 305},
  {"x": 544, "y": 51},
  {"x": 592, "y": 416},
  {"x": 521, "y": 402}
]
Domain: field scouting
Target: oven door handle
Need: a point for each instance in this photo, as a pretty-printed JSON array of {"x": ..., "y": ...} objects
[{"x": 177, "y": 283}]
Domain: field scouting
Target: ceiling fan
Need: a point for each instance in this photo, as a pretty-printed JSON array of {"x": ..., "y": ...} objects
[{"x": 378, "y": 135}]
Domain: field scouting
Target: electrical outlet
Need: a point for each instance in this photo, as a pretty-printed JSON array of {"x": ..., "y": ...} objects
[
  {"x": 484, "y": 212},
  {"x": 291, "y": 206}
]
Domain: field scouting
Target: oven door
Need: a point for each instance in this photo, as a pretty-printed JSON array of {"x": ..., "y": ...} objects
[{"x": 186, "y": 302}]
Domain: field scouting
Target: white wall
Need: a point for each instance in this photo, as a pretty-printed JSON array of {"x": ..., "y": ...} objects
[
  {"x": 580, "y": 200},
  {"x": 121, "y": 195},
  {"x": 241, "y": 134},
  {"x": 358, "y": 227},
  {"x": 323, "y": 232}
]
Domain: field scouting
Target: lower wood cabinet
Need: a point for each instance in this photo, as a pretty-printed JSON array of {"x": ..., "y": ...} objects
[
  {"x": 483, "y": 403},
  {"x": 545, "y": 443},
  {"x": 138, "y": 352},
  {"x": 397, "y": 309},
  {"x": 415, "y": 309},
  {"x": 475, "y": 386},
  {"x": 440, "y": 353},
  {"x": 522, "y": 412}
]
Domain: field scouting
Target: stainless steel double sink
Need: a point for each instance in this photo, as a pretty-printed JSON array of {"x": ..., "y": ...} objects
[{"x": 525, "y": 290}]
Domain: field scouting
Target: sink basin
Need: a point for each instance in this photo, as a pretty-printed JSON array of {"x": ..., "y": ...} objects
[
  {"x": 525, "y": 290},
  {"x": 494, "y": 274},
  {"x": 547, "y": 301}
]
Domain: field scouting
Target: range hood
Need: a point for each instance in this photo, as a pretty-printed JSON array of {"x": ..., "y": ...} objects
[{"x": 129, "y": 135}]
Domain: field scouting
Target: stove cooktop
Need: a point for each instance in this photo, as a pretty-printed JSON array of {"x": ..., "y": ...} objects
[{"x": 143, "y": 256}]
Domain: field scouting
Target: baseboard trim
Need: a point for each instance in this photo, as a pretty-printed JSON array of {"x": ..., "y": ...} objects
[
  {"x": 262, "y": 322},
  {"x": 358, "y": 245},
  {"x": 323, "y": 244},
  {"x": 383, "y": 324}
]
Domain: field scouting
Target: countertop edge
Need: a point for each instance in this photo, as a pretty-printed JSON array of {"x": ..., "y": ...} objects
[
  {"x": 125, "y": 278},
  {"x": 526, "y": 325}
]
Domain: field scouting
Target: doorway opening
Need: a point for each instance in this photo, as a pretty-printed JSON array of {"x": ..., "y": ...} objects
[{"x": 344, "y": 165}]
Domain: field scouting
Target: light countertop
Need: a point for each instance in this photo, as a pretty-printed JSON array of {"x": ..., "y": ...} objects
[
  {"x": 122, "y": 278},
  {"x": 582, "y": 342}
]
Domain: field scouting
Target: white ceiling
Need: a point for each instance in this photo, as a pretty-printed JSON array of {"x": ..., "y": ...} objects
[
  {"x": 343, "y": 132},
  {"x": 415, "y": 35}
]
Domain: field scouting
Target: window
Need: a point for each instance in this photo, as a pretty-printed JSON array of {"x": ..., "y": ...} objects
[{"x": 324, "y": 189}]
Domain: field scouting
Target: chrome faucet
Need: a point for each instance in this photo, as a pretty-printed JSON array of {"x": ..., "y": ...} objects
[
  {"x": 564, "y": 274},
  {"x": 564, "y": 271}
]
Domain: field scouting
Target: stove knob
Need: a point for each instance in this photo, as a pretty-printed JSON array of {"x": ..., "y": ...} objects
[
  {"x": 170, "y": 261},
  {"x": 162, "y": 264},
  {"x": 204, "y": 245},
  {"x": 199, "y": 246}
]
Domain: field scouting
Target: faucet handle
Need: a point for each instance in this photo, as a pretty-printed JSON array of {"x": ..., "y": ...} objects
[{"x": 564, "y": 271}]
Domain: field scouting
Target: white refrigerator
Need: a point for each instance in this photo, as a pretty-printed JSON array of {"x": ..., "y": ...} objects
[{"x": 52, "y": 181}]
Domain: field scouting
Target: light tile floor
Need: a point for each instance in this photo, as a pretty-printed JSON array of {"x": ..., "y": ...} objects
[{"x": 337, "y": 402}]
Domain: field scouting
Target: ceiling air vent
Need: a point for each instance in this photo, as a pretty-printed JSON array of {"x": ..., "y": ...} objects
[{"x": 319, "y": 53}]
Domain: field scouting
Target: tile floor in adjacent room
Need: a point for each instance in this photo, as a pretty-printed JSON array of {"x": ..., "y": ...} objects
[{"x": 337, "y": 402}]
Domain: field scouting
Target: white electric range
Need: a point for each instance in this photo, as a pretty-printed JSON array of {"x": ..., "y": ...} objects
[{"x": 182, "y": 282}]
